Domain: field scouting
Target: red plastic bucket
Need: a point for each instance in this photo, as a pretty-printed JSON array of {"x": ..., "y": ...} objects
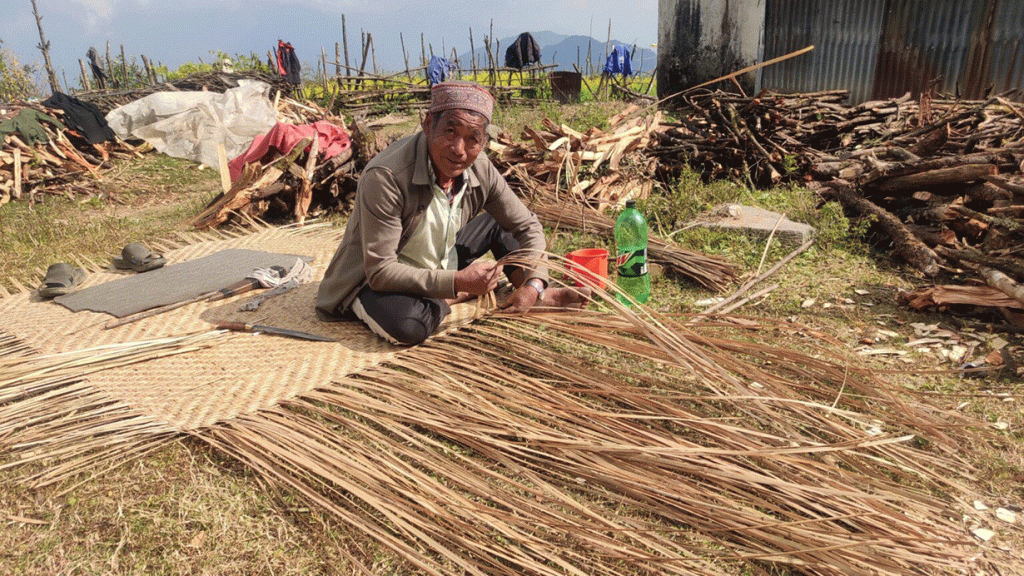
[{"x": 591, "y": 264}]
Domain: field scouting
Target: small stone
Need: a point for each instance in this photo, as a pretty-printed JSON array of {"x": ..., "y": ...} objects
[
  {"x": 957, "y": 354},
  {"x": 861, "y": 292},
  {"x": 979, "y": 505},
  {"x": 1006, "y": 515},
  {"x": 808, "y": 303}
]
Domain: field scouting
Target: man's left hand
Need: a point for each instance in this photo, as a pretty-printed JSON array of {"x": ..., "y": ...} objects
[{"x": 520, "y": 301}]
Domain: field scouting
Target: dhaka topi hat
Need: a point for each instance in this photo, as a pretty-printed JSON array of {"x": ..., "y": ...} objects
[{"x": 464, "y": 95}]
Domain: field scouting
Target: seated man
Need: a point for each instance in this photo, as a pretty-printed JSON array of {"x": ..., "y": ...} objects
[{"x": 426, "y": 208}]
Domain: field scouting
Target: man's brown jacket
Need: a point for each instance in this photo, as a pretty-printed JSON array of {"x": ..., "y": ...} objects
[{"x": 392, "y": 196}]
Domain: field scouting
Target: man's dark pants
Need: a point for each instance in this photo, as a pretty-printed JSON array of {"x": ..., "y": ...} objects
[{"x": 408, "y": 319}]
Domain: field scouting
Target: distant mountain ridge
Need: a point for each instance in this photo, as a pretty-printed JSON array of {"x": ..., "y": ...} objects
[{"x": 565, "y": 51}]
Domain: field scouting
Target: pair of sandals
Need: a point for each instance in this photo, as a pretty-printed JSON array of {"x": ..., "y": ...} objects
[{"x": 64, "y": 278}]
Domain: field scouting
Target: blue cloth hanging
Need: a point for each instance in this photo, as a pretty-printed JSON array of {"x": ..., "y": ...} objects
[
  {"x": 438, "y": 70},
  {"x": 619, "y": 61}
]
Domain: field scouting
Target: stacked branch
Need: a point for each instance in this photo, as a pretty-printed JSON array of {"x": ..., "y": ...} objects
[
  {"x": 107, "y": 100},
  {"x": 941, "y": 178},
  {"x": 290, "y": 187},
  {"x": 571, "y": 177},
  {"x": 64, "y": 164}
]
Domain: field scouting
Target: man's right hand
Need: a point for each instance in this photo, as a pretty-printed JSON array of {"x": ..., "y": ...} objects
[{"x": 478, "y": 278}]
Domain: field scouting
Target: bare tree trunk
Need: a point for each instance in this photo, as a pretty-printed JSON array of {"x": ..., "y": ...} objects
[
  {"x": 405, "y": 54},
  {"x": 124, "y": 69},
  {"x": 608, "y": 43},
  {"x": 150, "y": 72},
  {"x": 110, "y": 68},
  {"x": 85, "y": 77},
  {"x": 44, "y": 47},
  {"x": 373, "y": 53},
  {"x": 472, "y": 53}
]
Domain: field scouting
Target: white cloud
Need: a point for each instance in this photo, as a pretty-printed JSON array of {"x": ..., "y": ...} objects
[{"x": 97, "y": 12}]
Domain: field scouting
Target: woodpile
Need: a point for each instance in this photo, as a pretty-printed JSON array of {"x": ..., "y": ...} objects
[
  {"x": 597, "y": 167},
  {"x": 65, "y": 164},
  {"x": 291, "y": 186},
  {"x": 570, "y": 178},
  {"x": 941, "y": 179}
]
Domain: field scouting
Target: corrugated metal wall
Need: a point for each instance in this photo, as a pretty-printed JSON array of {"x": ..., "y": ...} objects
[{"x": 884, "y": 48}]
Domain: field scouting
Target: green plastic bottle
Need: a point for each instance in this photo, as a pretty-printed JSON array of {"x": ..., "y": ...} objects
[{"x": 631, "y": 254}]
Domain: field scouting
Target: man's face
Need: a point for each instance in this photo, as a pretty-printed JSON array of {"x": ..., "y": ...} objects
[{"x": 454, "y": 142}]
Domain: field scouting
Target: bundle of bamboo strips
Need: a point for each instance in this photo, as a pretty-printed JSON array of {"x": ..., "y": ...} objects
[
  {"x": 506, "y": 447},
  {"x": 710, "y": 272}
]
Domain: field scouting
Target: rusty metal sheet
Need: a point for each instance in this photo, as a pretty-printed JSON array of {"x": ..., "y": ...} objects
[{"x": 885, "y": 48}]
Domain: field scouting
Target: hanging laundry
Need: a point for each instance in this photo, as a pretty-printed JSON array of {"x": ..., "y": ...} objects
[
  {"x": 523, "y": 52},
  {"x": 288, "y": 63},
  {"x": 96, "y": 65},
  {"x": 438, "y": 70},
  {"x": 619, "y": 61}
]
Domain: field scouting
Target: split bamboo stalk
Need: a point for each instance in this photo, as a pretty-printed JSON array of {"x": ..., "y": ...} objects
[
  {"x": 344, "y": 39},
  {"x": 85, "y": 77}
]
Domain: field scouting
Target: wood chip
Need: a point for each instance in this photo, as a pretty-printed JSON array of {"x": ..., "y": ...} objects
[
  {"x": 1006, "y": 515},
  {"x": 983, "y": 534}
]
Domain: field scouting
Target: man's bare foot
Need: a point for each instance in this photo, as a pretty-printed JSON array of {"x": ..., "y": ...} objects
[{"x": 565, "y": 298}]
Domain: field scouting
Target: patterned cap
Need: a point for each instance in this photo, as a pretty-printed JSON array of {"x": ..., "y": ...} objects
[{"x": 464, "y": 95}]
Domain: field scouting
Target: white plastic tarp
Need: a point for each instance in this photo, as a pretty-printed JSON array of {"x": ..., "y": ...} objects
[{"x": 191, "y": 124}]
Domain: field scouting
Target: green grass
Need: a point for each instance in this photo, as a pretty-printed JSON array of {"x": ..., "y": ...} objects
[{"x": 138, "y": 200}]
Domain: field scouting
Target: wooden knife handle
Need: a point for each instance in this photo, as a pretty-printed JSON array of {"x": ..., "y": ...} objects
[
  {"x": 240, "y": 287},
  {"x": 235, "y": 326}
]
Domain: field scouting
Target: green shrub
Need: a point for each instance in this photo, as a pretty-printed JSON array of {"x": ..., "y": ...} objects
[{"x": 15, "y": 78}]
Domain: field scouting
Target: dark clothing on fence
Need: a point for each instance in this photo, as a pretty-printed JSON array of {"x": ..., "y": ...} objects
[
  {"x": 97, "y": 68},
  {"x": 288, "y": 63},
  {"x": 82, "y": 117},
  {"x": 523, "y": 52},
  {"x": 619, "y": 61}
]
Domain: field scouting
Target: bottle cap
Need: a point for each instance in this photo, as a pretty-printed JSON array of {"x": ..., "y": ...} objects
[{"x": 630, "y": 203}]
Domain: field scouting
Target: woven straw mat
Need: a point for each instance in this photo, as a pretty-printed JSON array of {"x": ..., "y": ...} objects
[{"x": 239, "y": 373}]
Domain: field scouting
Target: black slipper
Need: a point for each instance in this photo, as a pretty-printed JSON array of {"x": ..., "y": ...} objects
[
  {"x": 137, "y": 256},
  {"x": 61, "y": 279}
]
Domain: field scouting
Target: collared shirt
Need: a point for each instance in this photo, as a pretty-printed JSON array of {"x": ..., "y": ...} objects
[
  {"x": 432, "y": 244},
  {"x": 393, "y": 194}
]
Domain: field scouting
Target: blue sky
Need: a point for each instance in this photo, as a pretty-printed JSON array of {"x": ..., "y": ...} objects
[{"x": 173, "y": 32}]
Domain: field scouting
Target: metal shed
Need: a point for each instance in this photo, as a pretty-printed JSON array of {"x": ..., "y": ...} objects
[{"x": 873, "y": 48}]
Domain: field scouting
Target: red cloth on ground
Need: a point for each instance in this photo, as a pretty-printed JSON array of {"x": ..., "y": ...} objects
[{"x": 331, "y": 139}]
